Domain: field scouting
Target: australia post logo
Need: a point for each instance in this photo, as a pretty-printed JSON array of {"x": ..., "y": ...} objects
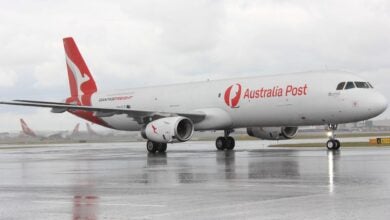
[
  {"x": 236, "y": 92},
  {"x": 233, "y": 95}
]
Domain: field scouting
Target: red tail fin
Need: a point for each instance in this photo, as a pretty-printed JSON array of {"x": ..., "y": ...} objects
[
  {"x": 81, "y": 82},
  {"x": 26, "y": 130}
]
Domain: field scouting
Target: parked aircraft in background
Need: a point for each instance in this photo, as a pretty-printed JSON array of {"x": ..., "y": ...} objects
[
  {"x": 270, "y": 107},
  {"x": 91, "y": 132},
  {"x": 76, "y": 131},
  {"x": 26, "y": 130}
]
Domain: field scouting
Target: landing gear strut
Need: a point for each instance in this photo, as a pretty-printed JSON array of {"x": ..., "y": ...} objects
[
  {"x": 332, "y": 143},
  {"x": 153, "y": 147},
  {"x": 225, "y": 142}
]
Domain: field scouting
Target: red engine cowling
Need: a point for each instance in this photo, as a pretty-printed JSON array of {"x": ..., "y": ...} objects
[
  {"x": 273, "y": 133},
  {"x": 169, "y": 130}
]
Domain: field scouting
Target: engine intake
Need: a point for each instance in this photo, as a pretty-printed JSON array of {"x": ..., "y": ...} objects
[
  {"x": 169, "y": 130},
  {"x": 273, "y": 133}
]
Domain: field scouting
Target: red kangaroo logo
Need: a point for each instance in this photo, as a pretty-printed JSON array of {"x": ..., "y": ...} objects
[{"x": 233, "y": 95}]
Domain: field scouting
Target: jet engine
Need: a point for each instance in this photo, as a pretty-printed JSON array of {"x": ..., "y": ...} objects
[
  {"x": 169, "y": 130},
  {"x": 273, "y": 133}
]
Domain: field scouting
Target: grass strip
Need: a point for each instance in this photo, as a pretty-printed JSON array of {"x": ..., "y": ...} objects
[{"x": 343, "y": 144}]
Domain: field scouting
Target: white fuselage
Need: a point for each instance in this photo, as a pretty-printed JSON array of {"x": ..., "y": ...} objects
[{"x": 275, "y": 100}]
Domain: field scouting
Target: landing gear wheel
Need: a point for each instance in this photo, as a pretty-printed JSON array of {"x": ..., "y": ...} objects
[
  {"x": 338, "y": 144},
  {"x": 162, "y": 147},
  {"x": 230, "y": 143},
  {"x": 330, "y": 144},
  {"x": 333, "y": 144},
  {"x": 220, "y": 143},
  {"x": 223, "y": 143},
  {"x": 151, "y": 146}
]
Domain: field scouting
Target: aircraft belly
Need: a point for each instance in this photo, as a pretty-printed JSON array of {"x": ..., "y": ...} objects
[{"x": 122, "y": 122}]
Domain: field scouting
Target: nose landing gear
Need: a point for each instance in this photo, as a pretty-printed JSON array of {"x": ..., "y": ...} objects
[
  {"x": 332, "y": 143},
  {"x": 225, "y": 142}
]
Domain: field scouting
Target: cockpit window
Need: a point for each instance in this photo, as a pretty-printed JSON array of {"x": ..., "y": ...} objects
[
  {"x": 363, "y": 85},
  {"x": 340, "y": 86},
  {"x": 350, "y": 85}
]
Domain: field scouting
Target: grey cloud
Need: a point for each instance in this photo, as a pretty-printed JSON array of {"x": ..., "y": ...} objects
[{"x": 138, "y": 43}]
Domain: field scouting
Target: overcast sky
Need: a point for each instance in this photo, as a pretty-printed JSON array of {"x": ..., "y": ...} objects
[{"x": 136, "y": 43}]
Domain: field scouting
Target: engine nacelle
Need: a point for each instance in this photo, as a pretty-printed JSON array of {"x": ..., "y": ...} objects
[
  {"x": 169, "y": 130},
  {"x": 273, "y": 133}
]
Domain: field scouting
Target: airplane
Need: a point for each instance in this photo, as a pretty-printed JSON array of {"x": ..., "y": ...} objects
[
  {"x": 269, "y": 107},
  {"x": 26, "y": 130}
]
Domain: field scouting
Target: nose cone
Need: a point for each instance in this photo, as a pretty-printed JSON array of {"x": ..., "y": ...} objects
[{"x": 379, "y": 103}]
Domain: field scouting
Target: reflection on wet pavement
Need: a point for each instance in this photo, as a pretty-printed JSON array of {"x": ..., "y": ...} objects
[{"x": 122, "y": 181}]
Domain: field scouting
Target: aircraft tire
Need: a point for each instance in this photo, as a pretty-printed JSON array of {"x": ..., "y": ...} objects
[
  {"x": 230, "y": 143},
  {"x": 162, "y": 147},
  {"x": 151, "y": 146},
  {"x": 330, "y": 144},
  {"x": 333, "y": 144},
  {"x": 338, "y": 144},
  {"x": 220, "y": 143}
]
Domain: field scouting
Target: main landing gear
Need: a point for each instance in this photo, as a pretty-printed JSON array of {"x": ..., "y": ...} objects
[
  {"x": 153, "y": 147},
  {"x": 332, "y": 143},
  {"x": 225, "y": 142}
]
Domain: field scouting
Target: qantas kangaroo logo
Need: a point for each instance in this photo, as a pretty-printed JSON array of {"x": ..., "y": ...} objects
[
  {"x": 81, "y": 78},
  {"x": 154, "y": 129},
  {"x": 233, "y": 95}
]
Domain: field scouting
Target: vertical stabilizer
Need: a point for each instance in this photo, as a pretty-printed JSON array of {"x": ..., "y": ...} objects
[
  {"x": 81, "y": 83},
  {"x": 26, "y": 130},
  {"x": 91, "y": 132},
  {"x": 76, "y": 130}
]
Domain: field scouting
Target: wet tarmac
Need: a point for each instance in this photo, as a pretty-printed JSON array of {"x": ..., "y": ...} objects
[{"x": 193, "y": 181}]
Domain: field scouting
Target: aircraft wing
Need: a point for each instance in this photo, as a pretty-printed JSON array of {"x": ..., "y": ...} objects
[{"x": 138, "y": 115}]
